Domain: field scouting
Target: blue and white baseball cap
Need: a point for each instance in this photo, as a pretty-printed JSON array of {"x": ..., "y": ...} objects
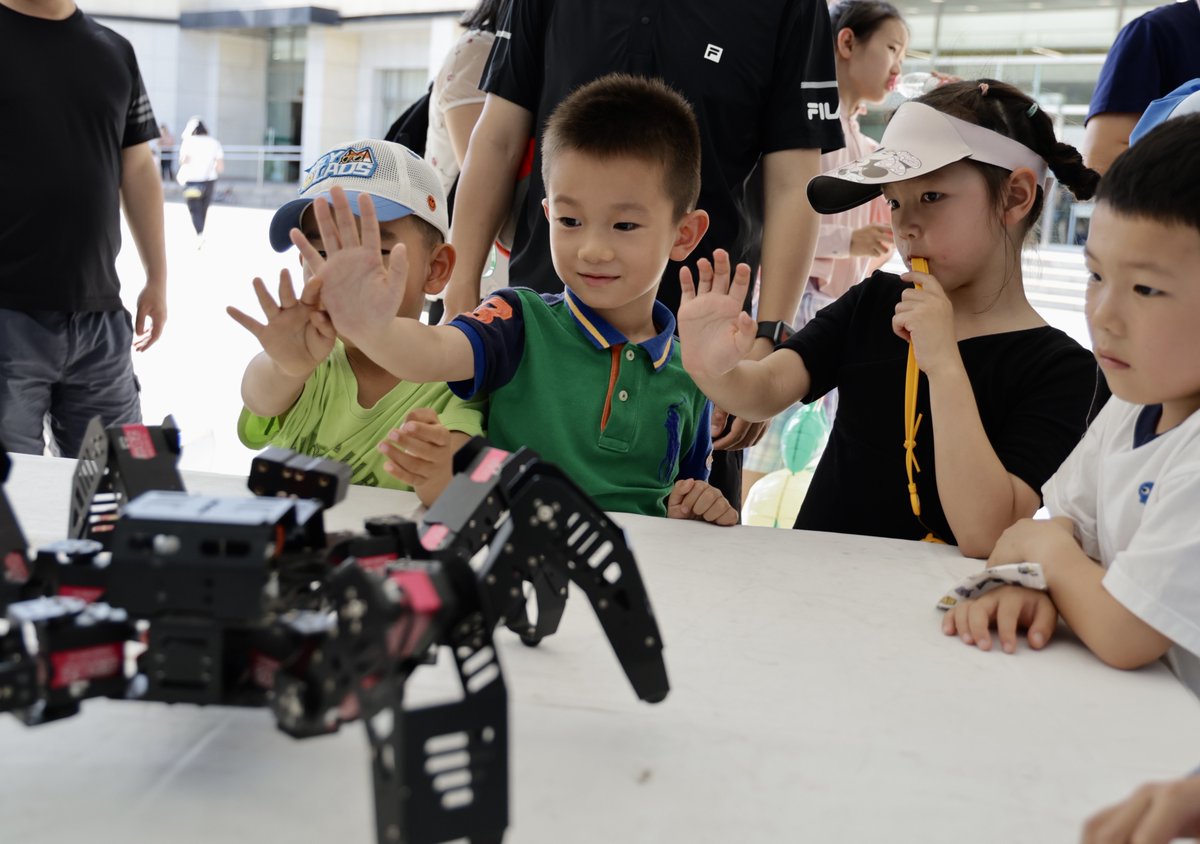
[
  {"x": 1183, "y": 100},
  {"x": 398, "y": 181}
]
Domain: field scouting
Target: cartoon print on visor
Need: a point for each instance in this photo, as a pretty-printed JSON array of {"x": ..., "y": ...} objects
[{"x": 878, "y": 165}]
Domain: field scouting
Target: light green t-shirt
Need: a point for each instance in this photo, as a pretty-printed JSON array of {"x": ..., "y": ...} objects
[{"x": 328, "y": 421}]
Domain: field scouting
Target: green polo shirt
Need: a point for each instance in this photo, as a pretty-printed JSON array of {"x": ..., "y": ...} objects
[
  {"x": 623, "y": 420},
  {"x": 328, "y": 421}
]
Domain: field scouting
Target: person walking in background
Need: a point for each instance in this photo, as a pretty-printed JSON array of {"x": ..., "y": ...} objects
[
  {"x": 455, "y": 103},
  {"x": 1153, "y": 55},
  {"x": 870, "y": 39},
  {"x": 73, "y": 88},
  {"x": 166, "y": 152},
  {"x": 201, "y": 160}
]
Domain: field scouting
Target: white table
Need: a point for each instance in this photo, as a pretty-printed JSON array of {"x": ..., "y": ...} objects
[{"x": 813, "y": 698}]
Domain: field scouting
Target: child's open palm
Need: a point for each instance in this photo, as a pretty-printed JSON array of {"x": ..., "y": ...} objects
[
  {"x": 715, "y": 334},
  {"x": 289, "y": 337},
  {"x": 349, "y": 282}
]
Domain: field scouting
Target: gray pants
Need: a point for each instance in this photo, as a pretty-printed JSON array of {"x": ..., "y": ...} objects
[{"x": 65, "y": 368}]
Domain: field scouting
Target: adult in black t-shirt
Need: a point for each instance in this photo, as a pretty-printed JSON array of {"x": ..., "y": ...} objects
[
  {"x": 76, "y": 146},
  {"x": 761, "y": 79},
  {"x": 1036, "y": 389}
]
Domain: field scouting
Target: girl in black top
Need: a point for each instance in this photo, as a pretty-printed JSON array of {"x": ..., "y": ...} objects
[{"x": 1001, "y": 397}]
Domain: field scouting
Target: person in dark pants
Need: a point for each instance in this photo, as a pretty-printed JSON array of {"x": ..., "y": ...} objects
[
  {"x": 166, "y": 152},
  {"x": 762, "y": 82},
  {"x": 201, "y": 160},
  {"x": 65, "y": 337}
]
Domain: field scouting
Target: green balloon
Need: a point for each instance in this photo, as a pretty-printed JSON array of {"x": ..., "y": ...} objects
[{"x": 804, "y": 436}]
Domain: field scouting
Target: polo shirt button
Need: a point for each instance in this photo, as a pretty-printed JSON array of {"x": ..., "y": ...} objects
[
  {"x": 629, "y": 355},
  {"x": 646, "y": 19},
  {"x": 623, "y": 396}
]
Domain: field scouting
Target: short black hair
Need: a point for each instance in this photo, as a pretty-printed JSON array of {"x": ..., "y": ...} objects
[
  {"x": 619, "y": 115},
  {"x": 1158, "y": 178}
]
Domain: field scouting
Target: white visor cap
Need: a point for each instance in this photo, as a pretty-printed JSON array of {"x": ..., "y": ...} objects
[{"x": 918, "y": 140}]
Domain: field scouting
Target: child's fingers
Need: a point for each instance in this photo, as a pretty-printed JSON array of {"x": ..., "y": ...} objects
[
  {"x": 247, "y": 322},
  {"x": 343, "y": 217},
  {"x": 1117, "y": 823},
  {"x": 979, "y": 621},
  {"x": 720, "y": 271},
  {"x": 687, "y": 288},
  {"x": 269, "y": 308},
  {"x": 323, "y": 214},
  {"x": 678, "y": 492},
  {"x": 312, "y": 258},
  {"x": 287, "y": 293},
  {"x": 741, "y": 282},
  {"x": 949, "y": 627},
  {"x": 323, "y": 324},
  {"x": 370, "y": 225},
  {"x": 704, "y": 276},
  {"x": 311, "y": 294},
  {"x": 1008, "y": 612},
  {"x": 1045, "y": 622},
  {"x": 397, "y": 265},
  {"x": 421, "y": 414}
]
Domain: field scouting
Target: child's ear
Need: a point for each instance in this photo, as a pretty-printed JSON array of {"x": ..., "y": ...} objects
[
  {"x": 1019, "y": 195},
  {"x": 441, "y": 266},
  {"x": 843, "y": 44},
  {"x": 546, "y": 207},
  {"x": 689, "y": 231}
]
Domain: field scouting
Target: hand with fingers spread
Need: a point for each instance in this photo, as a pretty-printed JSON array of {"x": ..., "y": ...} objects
[
  {"x": 1008, "y": 609},
  {"x": 349, "y": 281},
  {"x": 1156, "y": 813},
  {"x": 289, "y": 338},
  {"x": 925, "y": 317},
  {"x": 698, "y": 500},
  {"x": 420, "y": 452},
  {"x": 715, "y": 334}
]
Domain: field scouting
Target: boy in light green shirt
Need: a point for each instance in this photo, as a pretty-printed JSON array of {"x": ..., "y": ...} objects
[{"x": 313, "y": 392}]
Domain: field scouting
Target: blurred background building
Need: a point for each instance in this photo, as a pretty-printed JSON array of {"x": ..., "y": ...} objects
[{"x": 279, "y": 83}]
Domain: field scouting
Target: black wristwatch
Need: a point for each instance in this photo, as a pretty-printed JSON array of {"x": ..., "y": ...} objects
[{"x": 776, "y": 331}]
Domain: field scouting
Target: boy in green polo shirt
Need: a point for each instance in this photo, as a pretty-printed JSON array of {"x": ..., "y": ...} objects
[
  {"x": 316, "y": 392},
  {"x": 590, "y": 378}
]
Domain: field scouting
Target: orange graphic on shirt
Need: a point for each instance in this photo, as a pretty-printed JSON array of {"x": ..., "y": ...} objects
[{"x": 494, "y": 308}]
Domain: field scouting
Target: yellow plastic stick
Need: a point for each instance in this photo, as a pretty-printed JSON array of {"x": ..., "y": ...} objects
[{"x": 911, "y": 420}]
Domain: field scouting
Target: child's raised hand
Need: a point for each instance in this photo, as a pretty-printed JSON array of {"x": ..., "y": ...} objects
[
  {"x": 715, "y": 334},
  {"x": 1007, "y": 608},
  {"x": 694, "y": 499},
  {"x": 357, "y": 292},
  {"x": 925, "y": 318},
  {"x": 420, "y": 452},
  {"x": 289, "y": 337},
  {"x": 1157, "y": 813}
]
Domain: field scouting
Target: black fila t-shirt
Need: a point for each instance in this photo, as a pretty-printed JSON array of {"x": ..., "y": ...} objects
[{"x": 71, "y": 99}]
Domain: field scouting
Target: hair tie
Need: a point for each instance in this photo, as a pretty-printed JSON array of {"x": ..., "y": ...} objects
[
  {"x": 1032, "y": 110},
  {"x": 983, "y": 89}
]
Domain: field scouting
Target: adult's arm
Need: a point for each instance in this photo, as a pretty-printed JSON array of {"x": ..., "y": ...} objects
[
  {"x": 485, "y": 192},
  {"x": 142, "y": 201},
  {"x": 1106, "y": 137},
  {"x": 460, "y": 121},
  {"x": 790, "y": 229}
]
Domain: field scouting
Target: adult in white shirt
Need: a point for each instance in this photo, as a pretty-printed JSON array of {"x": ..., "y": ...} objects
[{"x": 201, "y": 160}]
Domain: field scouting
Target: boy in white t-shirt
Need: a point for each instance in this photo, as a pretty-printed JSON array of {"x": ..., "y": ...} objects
[{"x": 1121, "y": 553}]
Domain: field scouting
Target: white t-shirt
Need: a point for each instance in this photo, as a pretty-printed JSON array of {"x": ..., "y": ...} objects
[
  {"x": 198, "y": 157},
  {"x": 1137, "y": 511}
]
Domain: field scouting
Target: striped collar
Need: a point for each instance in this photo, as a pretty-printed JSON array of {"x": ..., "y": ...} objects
[{"x": 604, "y": 336}]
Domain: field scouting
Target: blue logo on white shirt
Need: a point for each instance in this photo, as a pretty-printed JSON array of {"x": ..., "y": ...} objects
[{"x": 1144, "y": 491}]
